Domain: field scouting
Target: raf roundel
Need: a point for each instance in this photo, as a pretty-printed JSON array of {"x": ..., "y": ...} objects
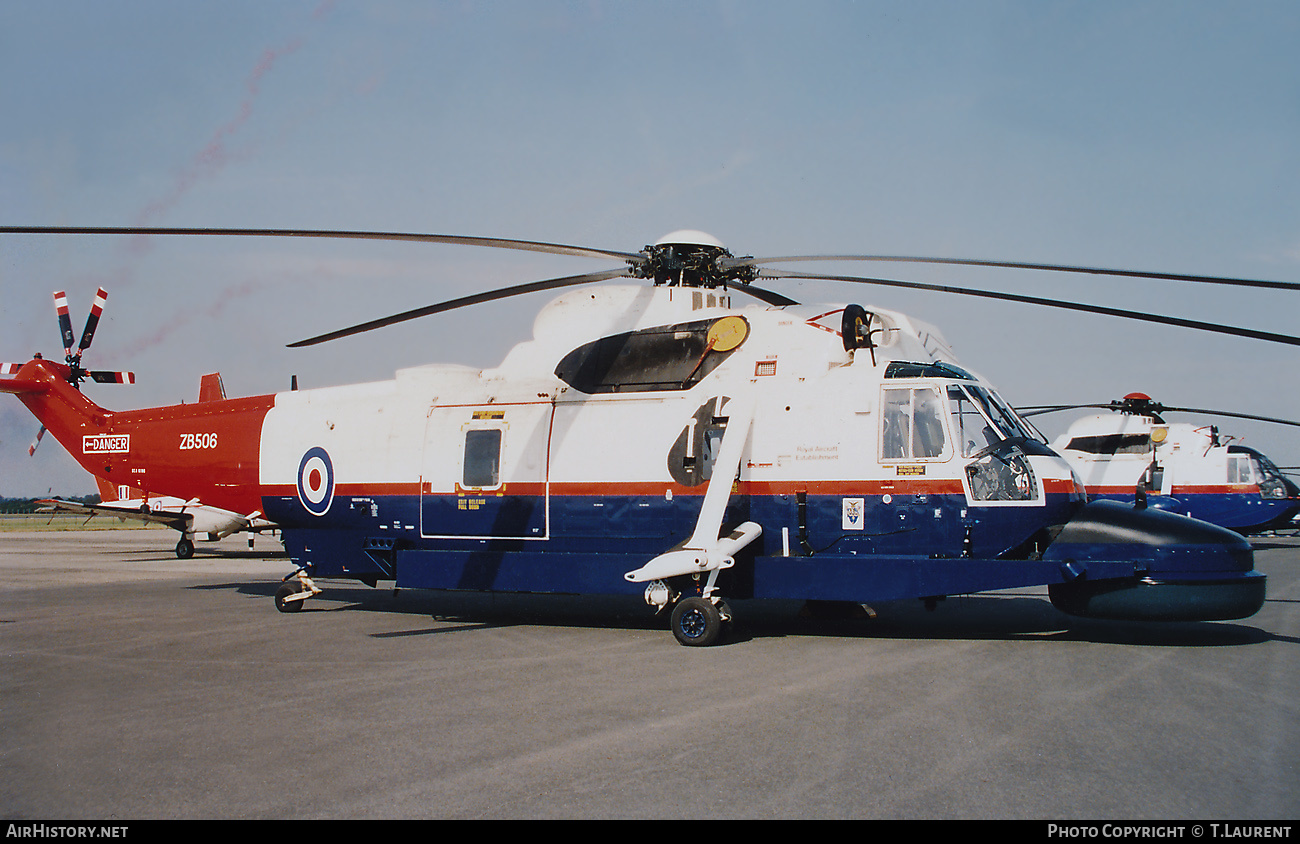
[{"x": 316, "y": 481}]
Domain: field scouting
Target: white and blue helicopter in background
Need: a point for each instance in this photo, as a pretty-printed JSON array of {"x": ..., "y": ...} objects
[{"x": 1131, "y": 454}]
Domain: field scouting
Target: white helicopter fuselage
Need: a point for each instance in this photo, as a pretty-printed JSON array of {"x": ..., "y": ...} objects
[{"x": 447, "y": 459}]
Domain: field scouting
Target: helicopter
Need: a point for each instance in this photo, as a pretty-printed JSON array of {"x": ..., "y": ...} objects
[
  {"x": 659, "y": 439},
  {"x": 1133, "y": 455}
]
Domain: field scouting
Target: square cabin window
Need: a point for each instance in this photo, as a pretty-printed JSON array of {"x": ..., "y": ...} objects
[
  {"x": 482, "y": 458},
  {"x": 1239, "y": 469},
  {"x": 912, "y": 425}
]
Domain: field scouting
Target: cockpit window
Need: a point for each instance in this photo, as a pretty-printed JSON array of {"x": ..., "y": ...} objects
[
  {"x": 1266, "y": 473},
  {"x": 912, "y": 424},
  {"x": 981, "y": 419},
  {"x": 973, "y": 430},
  {"x": 1239, "y": 469},
  {"x": 936, "y": 369}
]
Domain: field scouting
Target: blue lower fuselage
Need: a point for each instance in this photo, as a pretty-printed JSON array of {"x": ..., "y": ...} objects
[
  {"x": 908, "y": 546},
  {"x": 1244, "y": 512}
]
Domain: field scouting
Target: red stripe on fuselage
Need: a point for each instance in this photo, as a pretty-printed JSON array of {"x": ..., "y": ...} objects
[
  {"x": 624, "y": 489},
  {"x": 936, "y": 486},
  {"x": 1179, "y": 489}
]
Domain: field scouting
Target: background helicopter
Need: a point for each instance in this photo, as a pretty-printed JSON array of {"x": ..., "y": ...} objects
[
  {"x": 1133, "y": 454},
  {"x": 937, "y": 505}
]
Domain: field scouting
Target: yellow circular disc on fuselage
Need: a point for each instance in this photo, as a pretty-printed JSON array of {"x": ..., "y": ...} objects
[{"x": 727, "y": 333}]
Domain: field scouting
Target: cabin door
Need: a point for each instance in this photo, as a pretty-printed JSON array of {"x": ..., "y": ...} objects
[{"x": 485, "y": 472}]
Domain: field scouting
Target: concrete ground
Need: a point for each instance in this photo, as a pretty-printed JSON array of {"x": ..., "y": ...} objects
[{"x": 134, "y": 685}]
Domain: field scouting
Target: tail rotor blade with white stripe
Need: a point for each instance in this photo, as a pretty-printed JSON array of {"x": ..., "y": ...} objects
[{"x": 92, "y": 321}]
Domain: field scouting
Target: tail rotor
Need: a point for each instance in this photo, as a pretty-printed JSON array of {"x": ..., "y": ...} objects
[
  {"x": 31, "y": 449},
  {"x": 75, "y": 374}
]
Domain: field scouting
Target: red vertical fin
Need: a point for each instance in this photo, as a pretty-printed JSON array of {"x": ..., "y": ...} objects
[{"x": 211, "y": 388}]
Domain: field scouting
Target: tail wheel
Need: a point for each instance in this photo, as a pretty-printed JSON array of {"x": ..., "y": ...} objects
[
  {"x": 289, "y": 587},
  {"x": 696, "y": 622}
]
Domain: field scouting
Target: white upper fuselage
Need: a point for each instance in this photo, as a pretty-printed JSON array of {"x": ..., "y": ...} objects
[{"x": 817, "y": 414}]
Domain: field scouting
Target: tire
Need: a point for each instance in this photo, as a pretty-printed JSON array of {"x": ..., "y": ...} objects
[
  {"x": 696, "y": 622},
  {"x": 289, "y": 587},
  {"x": 184, "y": 549}
]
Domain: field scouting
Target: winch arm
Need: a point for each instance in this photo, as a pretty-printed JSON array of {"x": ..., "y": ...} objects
[{"x": 705, "y": 550}]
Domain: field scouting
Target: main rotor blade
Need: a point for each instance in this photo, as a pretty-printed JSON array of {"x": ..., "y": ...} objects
[
  {"x": 1250, "y": 416},
  {"x": 1039, "y": 410},
  {"x": 770, "y": 297},
  {"x": 491, "y": 242},
  {"x": 31, "y": 449},
  {"x": 1019, "y": 265},
  {"x": 102, "y": 376},
  {"x": 464, "y": 301},
  {"x": 1048, "y": 303},
  {"x": 1154, "y": 407}
]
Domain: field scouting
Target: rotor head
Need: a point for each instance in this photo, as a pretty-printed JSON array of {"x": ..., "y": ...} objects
[
  {"x": 1139, "y": 404},
  {"x": 689, "y": 258}
]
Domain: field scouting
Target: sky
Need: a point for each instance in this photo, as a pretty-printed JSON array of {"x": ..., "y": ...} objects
[{"x": 1159, "y": 136}]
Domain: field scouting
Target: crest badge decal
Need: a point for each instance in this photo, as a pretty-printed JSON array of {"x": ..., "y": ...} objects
[{"x": 851, "y": 513}]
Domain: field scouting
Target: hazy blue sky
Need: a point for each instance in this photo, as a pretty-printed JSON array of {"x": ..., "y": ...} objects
[{"x": 1143, "y": 135}]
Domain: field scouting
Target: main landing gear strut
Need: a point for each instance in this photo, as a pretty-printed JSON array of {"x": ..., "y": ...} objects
[{"x": 699, "y": 619}]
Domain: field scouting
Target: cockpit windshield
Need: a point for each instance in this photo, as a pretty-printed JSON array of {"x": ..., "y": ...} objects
[
  {"x": 1271, "y": 482},
  {"x": 981, "y": 419}
]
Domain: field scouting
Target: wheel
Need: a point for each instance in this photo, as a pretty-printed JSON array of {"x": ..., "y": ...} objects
[
  {"x": 696, "y": 622},
  {"x": 184, "y": 549},
  {"x": 289, "y": 587}
]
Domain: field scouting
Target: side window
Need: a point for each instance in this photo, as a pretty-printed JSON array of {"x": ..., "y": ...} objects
[
  {"x": 912, "y": 425},
  {"x": 1239, "y": 469},
  {"x": 482, "y": 466},
  {"x": 897, "y": 422}
]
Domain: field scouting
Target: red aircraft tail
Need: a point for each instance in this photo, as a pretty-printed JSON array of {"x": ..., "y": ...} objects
[
  {"x": 207, "y": 450},
  {"x": 43, "y": 386}
]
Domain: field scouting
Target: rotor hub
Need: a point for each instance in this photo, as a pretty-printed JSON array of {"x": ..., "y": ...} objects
[
  {"x": 1139, "y": 404},
  {"x": 689, "y": 258}
]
